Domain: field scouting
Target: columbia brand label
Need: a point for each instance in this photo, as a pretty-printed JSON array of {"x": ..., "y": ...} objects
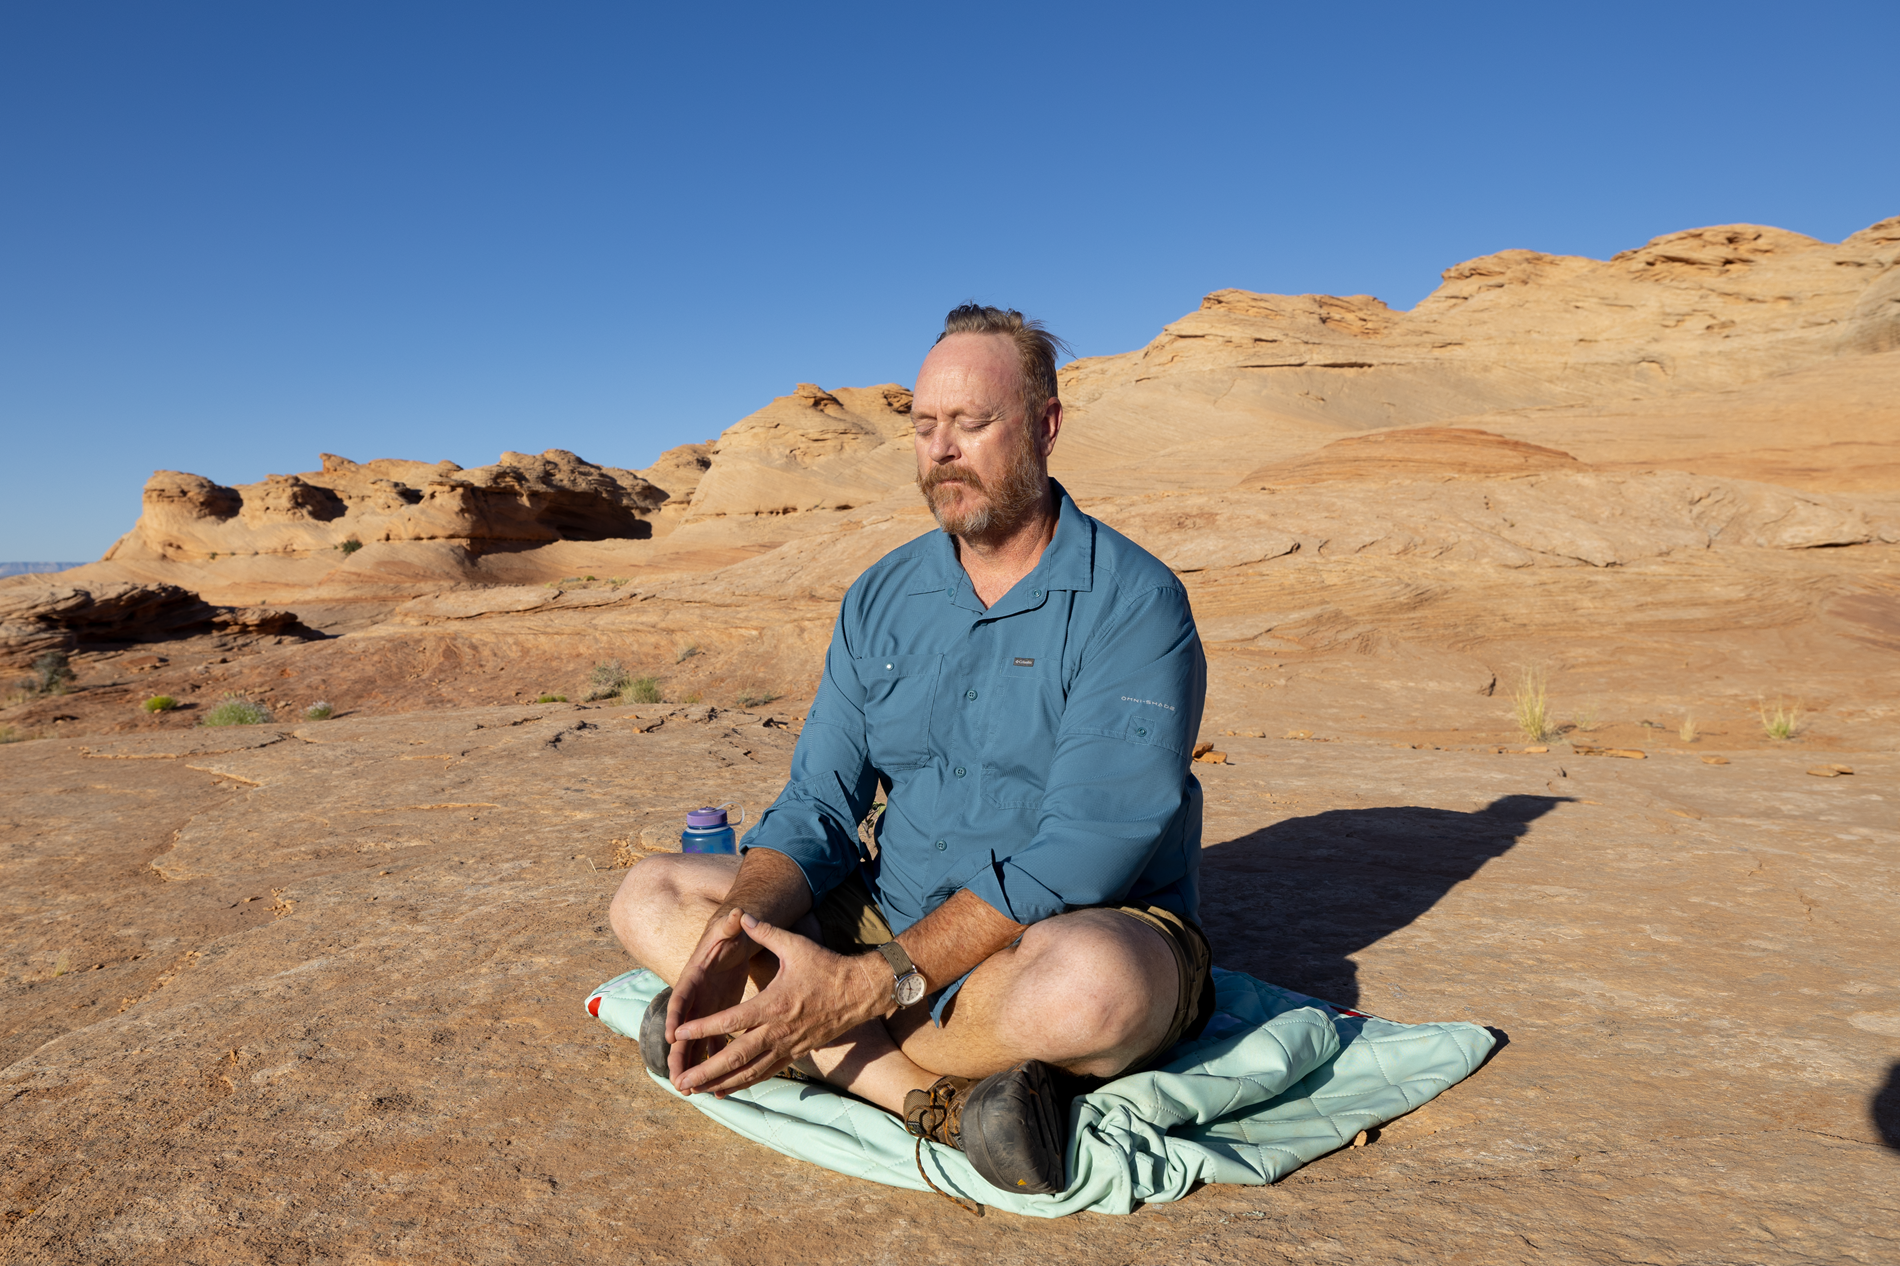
[{"x": 1025, "y": 663}]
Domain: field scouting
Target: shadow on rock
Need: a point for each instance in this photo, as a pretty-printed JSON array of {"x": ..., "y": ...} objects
[
  {"x": 1885, "y": 1109},
  {"x": 1291, "y": 902}
]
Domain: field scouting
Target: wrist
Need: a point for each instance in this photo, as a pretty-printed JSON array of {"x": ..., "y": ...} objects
[{"x": 874, "y": 984}]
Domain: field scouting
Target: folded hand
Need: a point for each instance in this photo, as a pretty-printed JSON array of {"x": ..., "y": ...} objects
[{"x": 816, "y": 997}]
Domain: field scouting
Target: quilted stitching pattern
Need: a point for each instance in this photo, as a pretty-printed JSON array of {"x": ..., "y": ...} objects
[{"x": 1276, "y": 1080}]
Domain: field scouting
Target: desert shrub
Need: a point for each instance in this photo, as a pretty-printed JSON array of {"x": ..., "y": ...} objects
[
  {"x": 755, "y": 699},
  {"x": 10, "y": 735},
  {"x": 237, "y": 710},
  {"x": 319, "y": 711},
  {"x": 1782, "y": 722},
  {"x": 159, "y": 703},
  {"x": 1530, "y": 705},
  {"x": 607, "y": 680},
  {"x": 642, "y": 690},
  {"x": 552, "y": 699},
  {"x": 51, "y": 672},
  {"x": 350, "y": 546},
  {"x": 686, "y": 652}
]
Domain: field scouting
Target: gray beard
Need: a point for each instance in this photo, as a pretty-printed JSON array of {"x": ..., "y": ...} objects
[{"x": 1003, "y": 506}]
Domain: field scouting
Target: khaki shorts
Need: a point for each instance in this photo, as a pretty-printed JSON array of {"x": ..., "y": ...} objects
[{"x": 849, "y": 922}]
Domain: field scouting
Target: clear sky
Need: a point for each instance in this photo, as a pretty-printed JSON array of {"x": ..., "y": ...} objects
[{"x": 233, "y": 235}]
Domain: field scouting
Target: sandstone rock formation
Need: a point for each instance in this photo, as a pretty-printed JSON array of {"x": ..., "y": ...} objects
[
  {"x": 37, "y": 619},
  {"x": 313, "y": 991},
  {"x": 521, "y": 498}
]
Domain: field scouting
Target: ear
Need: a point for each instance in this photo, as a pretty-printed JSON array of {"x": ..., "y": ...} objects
[{"x": 1051, "y": 426}]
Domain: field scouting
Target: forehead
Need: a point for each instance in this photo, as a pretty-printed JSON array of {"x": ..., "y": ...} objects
[{"x": 964, "y": 365}]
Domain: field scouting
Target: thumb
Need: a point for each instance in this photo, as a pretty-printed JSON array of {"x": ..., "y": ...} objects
[{"x": 764, "y": 933}]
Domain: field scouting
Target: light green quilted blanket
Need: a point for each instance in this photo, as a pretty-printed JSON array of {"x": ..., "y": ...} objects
[{"x": 1274, "y": 1081}]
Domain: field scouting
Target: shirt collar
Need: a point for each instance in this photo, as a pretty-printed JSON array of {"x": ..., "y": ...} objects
[{"x": 1067, "y": 562}]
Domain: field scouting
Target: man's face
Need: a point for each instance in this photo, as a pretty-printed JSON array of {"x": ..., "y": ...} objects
[{"x": 981, "y": 466}]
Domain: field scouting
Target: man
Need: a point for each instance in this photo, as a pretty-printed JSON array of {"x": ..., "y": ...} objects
[{"x": 1028, "y": 683}]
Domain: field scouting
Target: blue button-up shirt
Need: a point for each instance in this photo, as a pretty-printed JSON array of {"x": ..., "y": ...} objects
[{"x": 1037, "y": 752}]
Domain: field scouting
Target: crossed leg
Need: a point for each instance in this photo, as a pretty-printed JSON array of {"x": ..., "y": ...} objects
[{"x": 1090, "y": 991}]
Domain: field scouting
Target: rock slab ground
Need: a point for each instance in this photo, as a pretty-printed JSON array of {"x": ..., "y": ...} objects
[{"x": 314, "y": 994}]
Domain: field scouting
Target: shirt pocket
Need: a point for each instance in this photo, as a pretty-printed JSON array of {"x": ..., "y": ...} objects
[
  {"x": 899, "y": 691},
  {"x": 1026, "y": 712}
]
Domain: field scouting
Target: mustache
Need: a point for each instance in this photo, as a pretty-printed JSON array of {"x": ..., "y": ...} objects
[{"x": 939, "y": 475}]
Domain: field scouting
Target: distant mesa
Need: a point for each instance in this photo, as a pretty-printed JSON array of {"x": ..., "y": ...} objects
[{"x": 34, "y": 569}]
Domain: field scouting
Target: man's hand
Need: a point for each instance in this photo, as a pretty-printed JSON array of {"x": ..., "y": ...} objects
[
  {"x": 713, "y": 980},
  {"x": 816, "y": 997}
]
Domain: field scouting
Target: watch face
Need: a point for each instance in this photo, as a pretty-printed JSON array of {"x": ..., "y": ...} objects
[{"x": 910, "y": 989}]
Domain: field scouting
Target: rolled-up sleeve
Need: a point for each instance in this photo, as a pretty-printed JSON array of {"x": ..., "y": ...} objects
[
  {"x": 814, "y": 820},
  {"x": 1117, "y": 780}
]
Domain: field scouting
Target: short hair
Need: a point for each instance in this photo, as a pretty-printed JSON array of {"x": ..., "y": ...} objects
[{"x": 1036, "y": 347}]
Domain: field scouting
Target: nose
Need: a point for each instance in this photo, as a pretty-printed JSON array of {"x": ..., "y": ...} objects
[{"x": 940, "y": 445}]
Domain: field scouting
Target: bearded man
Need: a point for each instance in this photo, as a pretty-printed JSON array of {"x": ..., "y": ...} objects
[{"x": 1028, "y": 684}]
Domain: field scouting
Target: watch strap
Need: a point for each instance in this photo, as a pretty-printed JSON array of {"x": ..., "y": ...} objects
[{"x": 894, "y": 954}]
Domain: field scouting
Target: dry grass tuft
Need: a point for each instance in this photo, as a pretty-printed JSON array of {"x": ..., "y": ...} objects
[
  {"x": 1783, "y": 722},
  {"x": 1687, "y": 731},
  {"x": 641, "y": 690},
  {"x": 1530, "y": 705}
]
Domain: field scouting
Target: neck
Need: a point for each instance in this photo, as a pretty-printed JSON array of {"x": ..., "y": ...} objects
[{"x": 999, "y": 557}]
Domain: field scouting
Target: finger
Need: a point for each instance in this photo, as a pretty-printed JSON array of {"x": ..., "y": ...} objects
[
  {"x": 740, "y": 1070},
  {"x": 732, "y": 1020},
  {"x": 722, "y": 1064},
  {"x": 762, "y": 1069}
]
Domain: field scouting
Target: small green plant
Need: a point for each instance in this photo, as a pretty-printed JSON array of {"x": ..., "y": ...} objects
[
  {"x": 1530, "y": 705},
  {"x": 589, "y": 579},
  {"x": 642, "y": 690},
  {"x": 319, "y": 711},
  {"x": 51, "y": 672},
  {"x": 237, "y": 710},
  {"x": 755, "y": 699},
  {"x": 607, "y": 680},
  {"x": 10, "y": 735},
  {"x": 686, "y": 652},
  {"x": 1782, "y": 723},
  {"x": 692, "y": 698},
  {"x": 552, "y": 699},
  {"x": 159, "y": 703},
  {"x": 350, "y": 546}
]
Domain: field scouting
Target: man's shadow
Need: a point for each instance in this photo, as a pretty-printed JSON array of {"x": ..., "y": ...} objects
[
  {"x": 1884, "y": 1107},
  {"x": 1290, "y": 902}
]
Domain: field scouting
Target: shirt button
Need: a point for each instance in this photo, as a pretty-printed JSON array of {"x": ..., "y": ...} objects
[
  {"x": 1035, "y": 593},
  {"x": 941, "y": 846},
  {"x": 969, "y": 694},
  {"x": 959, "y": 771},
  {"x": 887, "y": 668},
  {"x": 1140, "y": 733}
]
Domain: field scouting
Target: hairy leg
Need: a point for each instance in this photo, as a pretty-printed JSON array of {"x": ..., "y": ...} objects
[
  {"x": 1091, "y": 992},
  {"x": 663, "y": 904},
  {"x": 658, "y": 915}
]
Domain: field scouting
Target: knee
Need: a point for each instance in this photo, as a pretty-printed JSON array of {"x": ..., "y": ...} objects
[
  {"x": 649, "y": 899},
  {"x": 1089, "y": 987}
]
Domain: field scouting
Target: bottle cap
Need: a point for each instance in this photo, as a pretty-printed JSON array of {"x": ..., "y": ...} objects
[{"x": 700, "y": 819}]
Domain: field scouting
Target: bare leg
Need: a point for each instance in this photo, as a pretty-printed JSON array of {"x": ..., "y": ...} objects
[{"x": 1090, "y": 991}]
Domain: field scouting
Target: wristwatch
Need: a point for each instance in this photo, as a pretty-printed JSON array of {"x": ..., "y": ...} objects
[{"x": 907, "y": 983}]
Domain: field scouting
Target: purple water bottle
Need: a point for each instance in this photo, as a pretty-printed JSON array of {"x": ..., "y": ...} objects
[{"x": 707, "y": 831}]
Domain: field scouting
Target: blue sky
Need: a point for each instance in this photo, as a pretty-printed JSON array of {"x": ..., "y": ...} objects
[{"x": 235, "y": 235}]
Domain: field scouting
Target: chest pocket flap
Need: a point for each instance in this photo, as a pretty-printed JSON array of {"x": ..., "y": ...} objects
[{"x": 899, "y": 691}]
